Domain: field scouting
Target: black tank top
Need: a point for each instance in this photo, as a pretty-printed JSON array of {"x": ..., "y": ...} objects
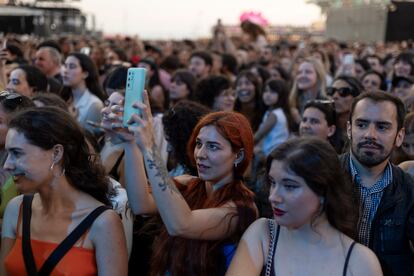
[{"x": 268, "y": 269}]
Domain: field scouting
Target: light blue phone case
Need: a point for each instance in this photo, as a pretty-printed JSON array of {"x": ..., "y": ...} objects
[{"x": 133, "y": 92}]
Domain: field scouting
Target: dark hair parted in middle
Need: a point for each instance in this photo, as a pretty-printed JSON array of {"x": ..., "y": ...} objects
[
  {"x": 317, "y": 163},
  {"x": 92, "y": 80},
  {"x": 46, "y": 127}
]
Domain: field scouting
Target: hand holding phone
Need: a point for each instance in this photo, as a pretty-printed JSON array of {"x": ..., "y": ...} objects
[{"x": 133, "y": 92}]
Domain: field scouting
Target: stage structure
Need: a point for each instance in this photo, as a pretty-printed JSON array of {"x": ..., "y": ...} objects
[
  {"x": 42, "y": 18},
  {"x": 369, "y": 21}
]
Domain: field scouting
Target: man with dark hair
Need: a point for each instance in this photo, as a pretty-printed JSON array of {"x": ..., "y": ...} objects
[
  {"x": 385, "y": 192},
  {"x": 200, "y": 64},
  {"x": 375, "y": 63}
]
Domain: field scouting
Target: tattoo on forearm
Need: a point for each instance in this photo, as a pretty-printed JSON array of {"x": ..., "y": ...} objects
[{"x": 158, "y": 169}]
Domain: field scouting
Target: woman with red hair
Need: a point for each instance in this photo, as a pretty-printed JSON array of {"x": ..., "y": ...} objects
[{"x": 203, "y": 217}]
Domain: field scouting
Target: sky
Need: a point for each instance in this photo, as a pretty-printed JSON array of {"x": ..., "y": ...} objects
[{"x": 153, "y": 19}]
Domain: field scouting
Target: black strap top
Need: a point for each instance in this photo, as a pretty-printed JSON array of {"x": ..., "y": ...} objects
[
  {"x": 61, "y": 249},
  {"x": 268, "y": 269}
]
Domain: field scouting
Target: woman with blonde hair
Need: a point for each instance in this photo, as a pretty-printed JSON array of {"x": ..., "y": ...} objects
[{"x": 309, "y": 84}]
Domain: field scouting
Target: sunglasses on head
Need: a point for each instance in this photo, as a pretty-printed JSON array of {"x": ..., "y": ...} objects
[
  {"x": 10, "y": 99},
  {"x": 343, "y": 91},
  {"x": 322, "y": 102},
  {"x": 10, "y": 95}
]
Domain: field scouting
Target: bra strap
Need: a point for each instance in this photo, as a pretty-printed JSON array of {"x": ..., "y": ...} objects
[
  {"x": 26, "y": 243},
  {"x": 347, "y": 257},
  {"x": 69, "y": 241}
]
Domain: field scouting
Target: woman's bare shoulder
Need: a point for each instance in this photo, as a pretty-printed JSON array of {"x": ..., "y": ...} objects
[{"x": 363, "y": 261}]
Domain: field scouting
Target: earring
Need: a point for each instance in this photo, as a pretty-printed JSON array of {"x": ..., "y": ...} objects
[
  {"x": 322, "y": 201},
  {"x": 235, "y": 164},
  {"x": 52, "y": 166}
]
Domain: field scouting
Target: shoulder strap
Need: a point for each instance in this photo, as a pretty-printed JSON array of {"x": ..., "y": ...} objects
[
  {"x": 274, "y": 236},
  {"x": 26, "y": 243},
  {"x": 69, "y": 241},
  {"x": 347, "y": 257}
]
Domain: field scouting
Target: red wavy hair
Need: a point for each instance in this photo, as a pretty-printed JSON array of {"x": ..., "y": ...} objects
[
  {"x": 180, "y": 256},
  {"x": 235, "y": 128}
]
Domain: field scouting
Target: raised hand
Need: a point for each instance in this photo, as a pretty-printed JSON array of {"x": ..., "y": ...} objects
[{"x": 142, "y": 127}]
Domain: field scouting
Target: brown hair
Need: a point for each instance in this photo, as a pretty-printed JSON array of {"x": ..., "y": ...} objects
[
  {"x": 316, "y": 161},
  {"x": 182, "y": 256}
]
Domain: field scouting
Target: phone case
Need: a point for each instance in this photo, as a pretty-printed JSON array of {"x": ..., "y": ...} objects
[{"x": 133, "y": 92}]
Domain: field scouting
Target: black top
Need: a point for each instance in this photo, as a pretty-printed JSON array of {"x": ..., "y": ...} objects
[{"x": 269, "y": 269}]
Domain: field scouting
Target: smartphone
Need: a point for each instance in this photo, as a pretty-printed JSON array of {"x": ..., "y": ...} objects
[
  {"x": 348, "y": 59},
  {"x": 133, "y": 92},
  {"x": 86, "y": 51}
]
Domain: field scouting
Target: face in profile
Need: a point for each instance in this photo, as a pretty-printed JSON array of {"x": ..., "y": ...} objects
[
  {"x": 72, "y": 72},
  {"x": 293, "y": 203},
  {"x": 214, "y": 156},
  {"x": 29, "y": 164},
  {"x": 18, "y": 82}
]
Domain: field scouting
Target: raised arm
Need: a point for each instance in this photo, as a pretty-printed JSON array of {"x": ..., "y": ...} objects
[
  {"x": 136, "y": 182},
  {"x": 133, "y": 171},
  {"x": 179, "y": 219}
]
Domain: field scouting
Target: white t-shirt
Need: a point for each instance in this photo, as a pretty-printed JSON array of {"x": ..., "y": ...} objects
[
  {"x": 278, "y": 134},
  {"x": 88, "y": 108}
]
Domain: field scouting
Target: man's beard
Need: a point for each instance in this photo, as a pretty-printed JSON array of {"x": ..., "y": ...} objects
[{"x": 369, "y": 159}]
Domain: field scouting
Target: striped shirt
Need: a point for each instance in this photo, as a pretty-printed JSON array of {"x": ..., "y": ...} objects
[{"x": 370, "y": 199}]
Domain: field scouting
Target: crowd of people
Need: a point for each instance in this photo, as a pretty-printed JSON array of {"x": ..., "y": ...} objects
[{"x": 249, "y": 157}]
